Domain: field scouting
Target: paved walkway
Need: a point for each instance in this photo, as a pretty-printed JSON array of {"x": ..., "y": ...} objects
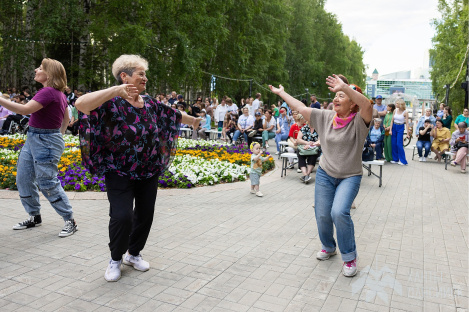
[{"x": 221, "y": 249}]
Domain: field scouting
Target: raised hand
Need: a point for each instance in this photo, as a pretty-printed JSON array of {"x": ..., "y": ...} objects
[
  {"x": 335, "y": 83},
  {"x": 276, "y": 90},
  {"x": 127, "y": 91}
]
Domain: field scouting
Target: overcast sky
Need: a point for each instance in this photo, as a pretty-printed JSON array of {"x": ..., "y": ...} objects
[{"x": 395, "y": 35}]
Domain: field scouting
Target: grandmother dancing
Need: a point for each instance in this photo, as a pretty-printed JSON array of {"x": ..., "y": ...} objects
[
  {"x": 342, "y": 133},
  {"x": 129, "y": 139}
]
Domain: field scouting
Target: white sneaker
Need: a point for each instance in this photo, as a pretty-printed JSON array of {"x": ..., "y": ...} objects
[
  {"x": 420, "y": 158},
  {"x": 350, "y": 268},
  {"x": 324, "y": 255},
  {"x": 136, "y": 261},
  {"x": 266, "y": 145},
  {"x": 393, "y": 162},
  {"x": 298, "y": 170},
  {"x": 253, "y": 191},
  {"x": 424, "y": 159},
  {"x": 259, "y": 194},
  {"x": 113, "y": 271},
  {"x": 276, "y": 153},
  {"x": 402, "y": 164}
]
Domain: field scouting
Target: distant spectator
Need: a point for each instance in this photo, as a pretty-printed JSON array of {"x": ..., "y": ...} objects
[
  {"x": 219, "y": 114},
  {"x": 375, "y": 138},
  {"x": 463, "y": 117},
  {"x": 292, "y": 135},
  {"x": 387, "y": 132},
  {"x": 258, "y": 125},
  {"x": 203, "y": 126},
  {"x": 245, "y": 125},
  {"x": 324, "y": 105},
  {"x": 283, "y": 128},
  {"x": 256, "y": 103},
  {"x": 399, "y": 122},
  {"x": 308, "y": 138},
  {"x": 173, "y": 98},
  {"x": 314, "y": 102},
  {"x": 447, "y": 117},
  {"x": 181, "y": 101},
  {"x": 209, "y": 108},
  {"x": 194, "y": 109},
  {"x": 441, "y": 111},
  {"x": 380, "y": 107},
  {"x": 424, "y": 140},
  {"x": 427, "y": 115},
  {"x": 270, "y": 126},
  {"x": 459, "y": 141},
  {"x": 441, "y": 137},
  {"x": 230, "y": 106},
  {"x": 71, "y": 96},
  {"x": 230, "y": 126},
  {"x": 27, "y": 94}
]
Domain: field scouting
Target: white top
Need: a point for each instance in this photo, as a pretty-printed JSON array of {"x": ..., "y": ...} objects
[
  {"x": 220, "y": 113},
  {"x": 232, "y": 108},
  {"x": 272, "y": 122},
  {"x": 255, "y": 106},
  {"x": 245, "y": 122},
  {"x": 399, "y": 118}
]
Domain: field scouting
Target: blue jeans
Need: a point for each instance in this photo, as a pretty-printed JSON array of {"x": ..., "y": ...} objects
[
  {"x": 421, "y": 145},
  {"x": 280, "y": 137},
  {"x": 397, "y": 143},
  {"x": 238, "y": 133},
  {"x": 333, "y": 199},
  {"x": 267, "y": 135},
  {"x": 37, "y": 166}
]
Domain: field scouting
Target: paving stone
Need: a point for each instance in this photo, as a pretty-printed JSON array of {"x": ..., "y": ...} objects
[{"x": 219, "y": 249}]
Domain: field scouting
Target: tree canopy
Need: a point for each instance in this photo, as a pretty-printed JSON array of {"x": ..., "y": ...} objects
[
  {"x": 450, "y": 45},
  {"x": 292, "y": 42}
]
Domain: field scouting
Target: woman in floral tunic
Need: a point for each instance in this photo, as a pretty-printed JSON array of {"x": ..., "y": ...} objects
[{"x": 129, "y": 139}]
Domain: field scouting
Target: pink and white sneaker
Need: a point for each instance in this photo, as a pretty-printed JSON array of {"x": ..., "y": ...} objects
[
  {"x": 324, "y": 255},
  {"x": 350, "y": 268}
]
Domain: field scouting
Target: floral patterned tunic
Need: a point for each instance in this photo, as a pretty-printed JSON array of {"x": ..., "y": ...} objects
[{"x": 135, "y": 142}]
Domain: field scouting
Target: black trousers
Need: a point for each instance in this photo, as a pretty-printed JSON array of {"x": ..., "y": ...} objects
[
  {"x": 9, "y": 119},
  {"x": 129, "y": 227}
]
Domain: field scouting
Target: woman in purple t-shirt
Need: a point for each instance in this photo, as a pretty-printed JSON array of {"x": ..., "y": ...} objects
[{"x": 38, "y": 159}]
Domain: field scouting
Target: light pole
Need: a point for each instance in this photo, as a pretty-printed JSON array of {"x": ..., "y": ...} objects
[
  {"x": 307, "y": 94},
  {"x": 447, "y": 86}
]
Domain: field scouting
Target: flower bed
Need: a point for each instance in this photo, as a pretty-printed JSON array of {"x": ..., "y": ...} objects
[{"x": 196, "y": 163}]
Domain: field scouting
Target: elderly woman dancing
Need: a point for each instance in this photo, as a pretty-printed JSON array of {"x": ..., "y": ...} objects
[
  {"x": 129, "y": 139},
  {"x": 342, "y": 133}
]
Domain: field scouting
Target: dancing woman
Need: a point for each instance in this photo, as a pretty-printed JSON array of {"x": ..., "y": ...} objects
[
  {"x": 38, "y": 159},
  {"x": 129, "y": 139},
  {"x": 342, "y": 133}
]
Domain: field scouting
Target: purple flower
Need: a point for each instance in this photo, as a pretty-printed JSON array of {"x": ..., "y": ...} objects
[{"x": 77, "y": 186}]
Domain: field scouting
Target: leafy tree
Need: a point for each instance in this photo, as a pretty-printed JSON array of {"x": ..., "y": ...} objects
[{"x": 449, "y": 47}]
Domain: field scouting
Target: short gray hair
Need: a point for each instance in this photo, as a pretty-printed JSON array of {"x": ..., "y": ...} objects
[
  {"x": 128, "y": 63},
  {"x": 377, "y": 120}
]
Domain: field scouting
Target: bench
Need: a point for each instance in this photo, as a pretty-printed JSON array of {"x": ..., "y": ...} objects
[
  {"x": 448, "y": 158},
  {"x": 213, "y": 134},
  {"x": 186, "y": 132},
  {"x": 285, "y": 157},
  {"x": 415, "y": 152},
  {"x": 367, "y": 166},
  {"x": 283, "y": 147}
]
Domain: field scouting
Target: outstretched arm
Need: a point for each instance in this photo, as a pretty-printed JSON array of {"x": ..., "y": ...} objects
[
  {"x": 292, "y": 102},
  {"x": 336, "y": 84},
  {"x": 88, "y": 102}
]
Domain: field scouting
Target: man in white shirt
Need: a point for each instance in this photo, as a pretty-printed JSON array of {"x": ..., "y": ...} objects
[{"x": 255, "y": 104}]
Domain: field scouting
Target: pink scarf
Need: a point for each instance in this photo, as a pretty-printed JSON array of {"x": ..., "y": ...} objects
[{"x": 338, "y": 122}]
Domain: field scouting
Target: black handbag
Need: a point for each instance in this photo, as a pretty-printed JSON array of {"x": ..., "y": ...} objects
[
  {"x": 368, "y": 154},
  {"x": 458, "y": 145}
]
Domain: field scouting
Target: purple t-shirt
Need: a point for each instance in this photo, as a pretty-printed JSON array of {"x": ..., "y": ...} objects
[{"x": 51, "y": 114}]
